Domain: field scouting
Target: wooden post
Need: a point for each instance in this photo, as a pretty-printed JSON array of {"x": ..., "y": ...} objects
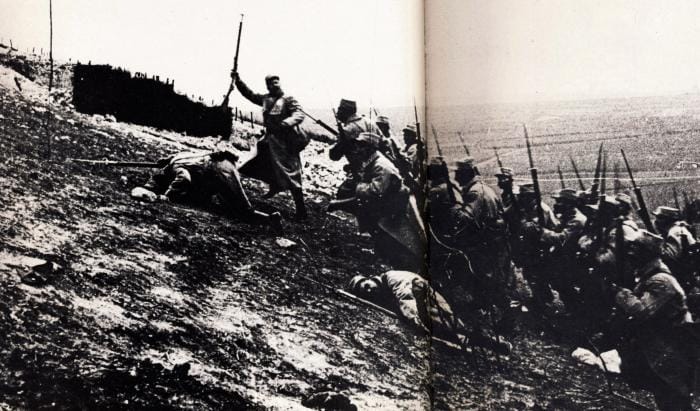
[
  {"x": 251, "y": 120},
  {"x": 48, "y": 112}
]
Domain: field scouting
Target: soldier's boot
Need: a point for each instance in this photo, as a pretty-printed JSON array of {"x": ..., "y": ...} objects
[
  {"x": 301, "y": 213},
  {"x": 274, "y": 220}
]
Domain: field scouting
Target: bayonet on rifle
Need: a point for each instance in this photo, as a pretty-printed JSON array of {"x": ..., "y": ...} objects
[
  {"x": 596, "y": 176},
  {"x": 675, "y": 199},
  {"x": 535, "y": 179},
  {"x": 235, "y": 65},
  {"x": 687, "y": 212},
  {"x": 445, "y": 171},
  {"x": 498, "y": 158},
  {"x": 561, "y": 178},
  {"x": 578, "y": 176},
  {"x": 464, "y": 145},
  {"x": 643, "y": 211},
  {"x": 437, "y": 142}
]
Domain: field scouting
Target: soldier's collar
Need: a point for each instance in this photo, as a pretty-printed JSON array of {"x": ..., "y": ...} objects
[{"x": 476, "y": 179}]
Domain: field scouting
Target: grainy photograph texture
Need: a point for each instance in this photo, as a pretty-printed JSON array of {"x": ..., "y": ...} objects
[{"x": 378, "y": 204}]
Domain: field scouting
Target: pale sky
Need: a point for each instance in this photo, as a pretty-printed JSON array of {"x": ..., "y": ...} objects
[
  {"x": 367, "y": 50},
  {"x": 478, "y": 51},
  {"x": 528, "y": 50}
]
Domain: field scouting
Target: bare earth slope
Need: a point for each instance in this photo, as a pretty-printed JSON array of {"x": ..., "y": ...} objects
[{"x": 165, "y": 306}]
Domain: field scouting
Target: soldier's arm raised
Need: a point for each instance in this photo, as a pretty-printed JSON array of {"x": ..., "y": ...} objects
[{"x": 253, "y": 97}]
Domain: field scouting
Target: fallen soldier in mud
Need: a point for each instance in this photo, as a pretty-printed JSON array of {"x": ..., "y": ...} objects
[
  {"x": 412, "y": 297},
  {"x": 194, "y": 179}
]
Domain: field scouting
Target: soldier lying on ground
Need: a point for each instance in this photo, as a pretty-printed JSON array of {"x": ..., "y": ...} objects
[
  {"x": 412, "y": 297},
  {"x": 194, "y": 178}
]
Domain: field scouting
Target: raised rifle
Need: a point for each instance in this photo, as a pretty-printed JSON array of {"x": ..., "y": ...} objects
[
  {"x": 420, "y": 154},
  {"x": 643, "y": 211},
  {"x": 420, "y": 149},
  {"x": 445, "y": 170},
  {"x": 464, "y": 145},
  {"x": 116, "y": 163},
  {"x": 498, "y": 159},
  {"x": 235, "y": 65},
  {"x": 561, "y": 178},
  {"x": 535, "y": 180},
  {"x": 675, "y": 199},
  {"x": 596, "y": 176},
  {"x": 601, "y": 203},
  {"x": 687, "y": 211},
  {"x": 578, "y": 176}
]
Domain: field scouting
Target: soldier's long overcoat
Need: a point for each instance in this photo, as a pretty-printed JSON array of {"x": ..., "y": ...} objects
[{"x": 278, "y": 162}]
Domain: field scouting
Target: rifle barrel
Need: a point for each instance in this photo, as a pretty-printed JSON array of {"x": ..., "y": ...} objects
[
  {"x": 464, "y": 145},
  {"x": 535, "y": 180},
  {"x": 498, "y": 158},
  {"x": 643, "y": 211},
  {"x": 113, "y": 163},
  {"x": 437, "y": 143},
  {"x": 561, "y": 178},
  {"x": 578, "y": 176}
]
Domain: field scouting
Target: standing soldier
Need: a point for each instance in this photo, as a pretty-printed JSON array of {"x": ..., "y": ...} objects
[
  {"x": 384, "y": 208},
  {"x": 278, "y": 162},
  {"x": 350, "y": 126},
  {"x": 481, "y": 232},
  {"x": 410, "y": 150}
]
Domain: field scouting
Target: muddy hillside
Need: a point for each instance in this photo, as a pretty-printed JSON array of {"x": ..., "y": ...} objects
[{"x": 112, "y": 303}]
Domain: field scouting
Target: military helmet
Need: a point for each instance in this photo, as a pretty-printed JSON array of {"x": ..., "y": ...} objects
[
  {"x": 411, "y": 129},
  {"x": 355, "y": 283},
  {"x": 383, "y": 120},
  {"x": 643, "y": 245},
  {"x": 505, "y": 172},
  {"x": 271, "y": 77},
  {"x": 568, "y": 195},
  {"x": 667, "y": 213},
  {"x": 466, "y": 163},
  {"x": 624, "y": 199},
  {"x": 347, "y": 106}
]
